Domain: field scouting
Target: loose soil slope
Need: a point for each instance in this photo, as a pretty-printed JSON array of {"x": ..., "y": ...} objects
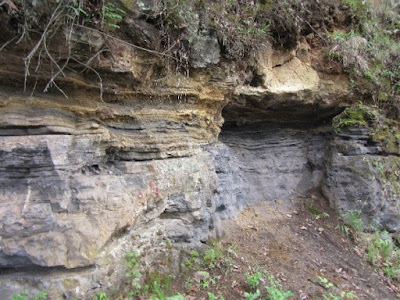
[{"x": 285, "y": 239}]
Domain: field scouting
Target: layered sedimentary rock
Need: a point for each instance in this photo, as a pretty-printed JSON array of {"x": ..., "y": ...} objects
[
  {"x": 364, "y": 175},
  {"x": 86, "y": 179},
  {"x": 266, "y": 162},
  {"x": 84, "y": 182}
]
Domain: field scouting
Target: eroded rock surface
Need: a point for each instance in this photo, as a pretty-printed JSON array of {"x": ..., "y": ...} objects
[
  {"x": 361, "y": 175},
  {"x": 266, "y": 162},
  {"x": 86, "y": 179},
  {"x": 83, "y": 183}
]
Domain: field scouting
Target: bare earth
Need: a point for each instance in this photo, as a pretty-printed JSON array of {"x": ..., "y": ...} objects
[{"x": 289, "y": 242}]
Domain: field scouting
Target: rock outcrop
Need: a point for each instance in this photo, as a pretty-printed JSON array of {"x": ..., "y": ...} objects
[
  {"x": 86, "y": 179},
  {"x": 362, "y": 175},
  {"x": 266, "y": 162}
]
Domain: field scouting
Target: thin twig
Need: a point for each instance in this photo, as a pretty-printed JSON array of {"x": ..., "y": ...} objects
[
  {"x": 65, "y": 95},
  {"x": 8, "y": 42},
  {"x": 127, "y": 43},
  {"x": 316, "y": 32},
  {"x": 94, "y": 71},
  {"x": 27, "y": 59},
  {"x": 95, "y": 55}
]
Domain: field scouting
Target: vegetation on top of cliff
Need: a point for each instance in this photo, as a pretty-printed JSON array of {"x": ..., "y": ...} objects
[
  {"x": 370, "y": 51},
  {"x": 243, "y": 26},
  {"x": 382, "y": 130},
  {"x": 357, "y": 116},
  {"x": 362, "y": 35}
]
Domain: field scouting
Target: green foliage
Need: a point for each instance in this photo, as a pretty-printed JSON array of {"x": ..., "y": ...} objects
[
  {"x": 157, "y": 289},
  {"x": 353, "y": 223},
  {"x": 252, "y": 296},
  {"x": 341, "y": 36},
  {"x": 213, "y": 255},
  {"x": 133, "y": 271},
  {"x": 325, "y": 282},
  {"x": 370, "y": 51},
  {"x": 192, "y": 261},
  {"x": 316, "y": 212},
  {"x": 206, "y": 282},
  {"x": 19, "y": 297},
  {"x": 275, "y": 291},
  {"x": 332, "y": 295},
  {"x": 41, "y": 296},
  {"x": 357, "y": 116},
  {"x": 22, "y": 295},
  {"x": 353, "y": 218},
  {"x": 211, "y": 296},
  {"x": 358, "y": 9},
  {"x": 239, "y": 25},
  {"x": 161, "y": 296},
  {"x": 101, "y": 296},
  {"x": 112, "y": 15},
  {"x": 383, "y": 253},
  {"x": 343, "y": 229},
  {"x": 253, "y": 280},
  {"x": 210, "y": 257}
]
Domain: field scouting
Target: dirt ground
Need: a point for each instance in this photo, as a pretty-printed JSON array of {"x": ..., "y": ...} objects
[{"x": 287, "y": 240}]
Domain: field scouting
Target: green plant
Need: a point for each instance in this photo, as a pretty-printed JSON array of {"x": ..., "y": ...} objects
[
  {"x": 41, "y": 296},
  {"x": 188, "y": 283},
  {"x": 211, "y": 296},
  {"x": 370, "y": 51},
  {"x": 332, "y": 295},
  {"x": 19, "y": 297},
  {"x": 112, "y": 15},
  {"x": 252, "y": 296},
  {"x": 325, "y": 282},
  {"x": 357, "y": 116},
  {"x": 343, "y": 229},
  {"x": 384, "y": 254},
  {"x": 253, "y": 280},
  {"x": 133, "y": 272},
  {"x": 191, "y": 262},
  {"x": 210, "y": 257},
  {"x": 157, "y": 289},
  {"x": 213, "y": 254},
  {"x": 206, "y": 282},
  {"x": 353, "y": 218},
  {"x": 316, "y": 212},
  {"x": 275, "y": 291},
  {"x": 101, "y": 296}
]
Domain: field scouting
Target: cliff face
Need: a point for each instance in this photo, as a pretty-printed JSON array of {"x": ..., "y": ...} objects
[{"x": 165, "y": 157}]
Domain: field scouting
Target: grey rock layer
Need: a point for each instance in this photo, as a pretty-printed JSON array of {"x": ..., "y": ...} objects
[
  {"x": 265, "y": 163},
  {"x": 359, "y": 176}
]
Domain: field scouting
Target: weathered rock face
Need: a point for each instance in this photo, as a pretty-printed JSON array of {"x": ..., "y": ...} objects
[
  {"x": 85, "y": 180},
  {"x": 285, "y": 89},
  {"x": 75, "y": 190},
  {"x": 362, "y": 175},
  {"x": 266, "y": 162}
]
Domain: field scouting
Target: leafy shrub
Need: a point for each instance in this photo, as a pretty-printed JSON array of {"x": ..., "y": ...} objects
[
  {"x": 253, "y": 280},
  {"x": 357, "y": 116},
  {"x": 275, "y": 291},
  {"x": 252, "y": 296},
  {"x": 371, "y": 51},
  {"x": 353, "y": 218},
  {"x": 384, "y": 254}
]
